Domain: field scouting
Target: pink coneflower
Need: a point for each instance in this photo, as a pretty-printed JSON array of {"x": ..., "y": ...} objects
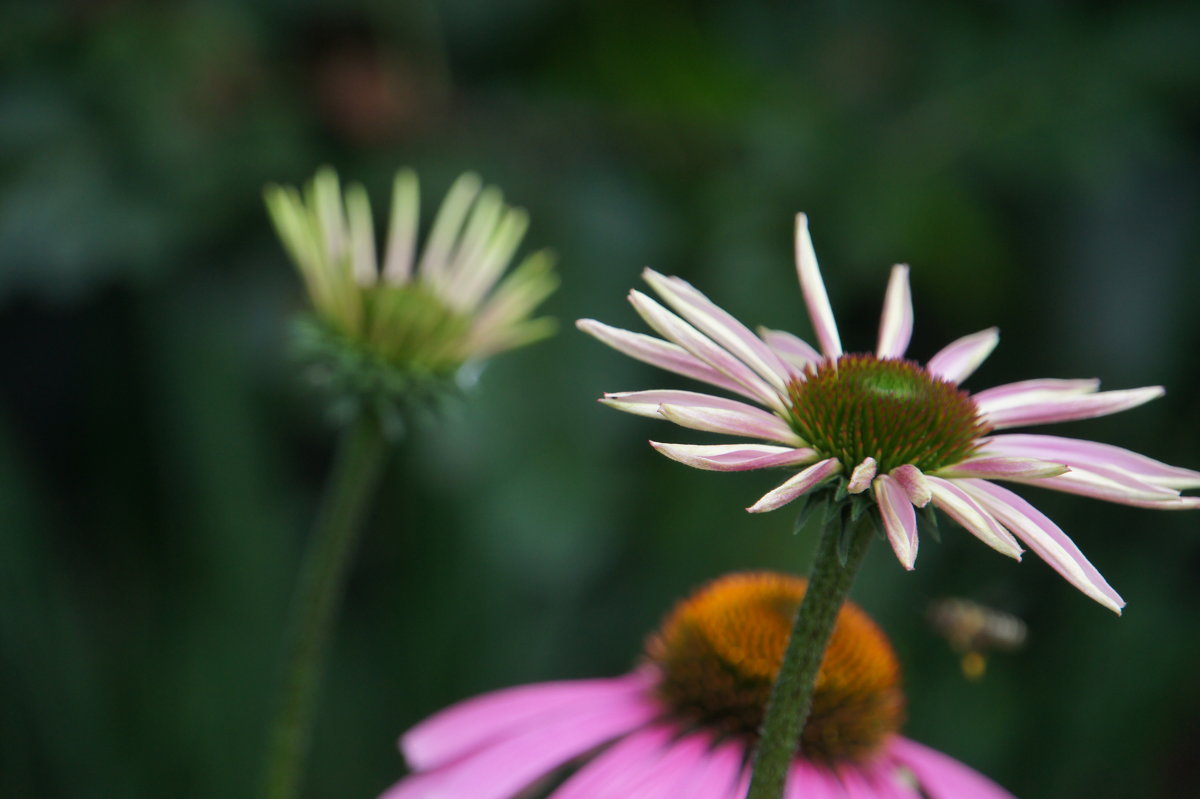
[
  {"x": 684, "y": 724},
  {"x": 905, "y": 432}
]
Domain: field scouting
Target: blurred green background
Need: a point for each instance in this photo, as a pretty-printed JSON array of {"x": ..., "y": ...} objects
[{"x": 160, "y": 457}]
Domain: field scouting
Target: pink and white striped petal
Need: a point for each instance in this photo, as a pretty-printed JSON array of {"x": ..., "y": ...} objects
[
  {"x": 662, "y": 354},
  {"x": 813, "y": 289},
  {"x": 913, "y": 481},
  {"x": 861, "y": 477},
  {"x": 896, "y": 322},
  {"x": 720, "y": 326},
  {"x": 1025, "y": 391},
  {"x": 943, "y": 777},
  {"x": 952, "y": 500},
  {"x": 701, "y": 346},
  {"x": 1065, "y": 408},
  {"x": 1116, "y": 486},
  {"x": 736, "y": 457},
  {"x": 899, "y": 519},
  {"x": 732, "y": 423},
  {"x": 794, "y": 350},
  {"x": 1000, "y": 467},
  {"x": 799, "y": 483},
  {"x": 1088, "y": 454},
  {"x": 1046, "y": 539},
  {"x": 959, "y": 359},
  {"x": 463, "y": 727}
]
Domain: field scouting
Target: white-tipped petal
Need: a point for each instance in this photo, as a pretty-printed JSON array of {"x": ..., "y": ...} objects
[
  {"x": 952, "y": 500},
  {"x": 960, "y": 358},
  {"x": 1046, "y": 539},
  {"x": 913, "y": 481},
  {"x": 896, "y": 322},
  {"x": 899, "y": 519},
  {"x": 813, "y": 288},
  {"x": 861, "y": 477},
  {"x": 796, "y": 485},
  {"x": 735, "y": 457}
]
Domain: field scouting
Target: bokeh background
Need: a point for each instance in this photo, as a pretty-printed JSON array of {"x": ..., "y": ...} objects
[{"x": 161, "y": 458}]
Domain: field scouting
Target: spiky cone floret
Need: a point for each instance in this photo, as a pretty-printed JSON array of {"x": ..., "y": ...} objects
[
  {"x": 420, "y": 312},
  {"x": 901, "y": 433}
]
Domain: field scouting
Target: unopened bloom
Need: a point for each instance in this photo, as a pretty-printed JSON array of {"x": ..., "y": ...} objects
[
  {"x": 686, "y": 722},
  {"x": 418, "y": 314},
  {"x": 907, "y": 433}
]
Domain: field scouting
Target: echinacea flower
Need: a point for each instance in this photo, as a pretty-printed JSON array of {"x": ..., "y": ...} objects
[
  {"x": 415, "y": 316},
  {"x": 685, "y": 722},
  {"x": 907, "y": 433}
]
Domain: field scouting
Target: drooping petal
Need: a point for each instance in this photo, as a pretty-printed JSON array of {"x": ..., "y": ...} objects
[
  {"x": 1065, "y": 407},
  {"x": 463, "y": 727},
  {"x": 720, "y": 326},
  {"x": 941, "y": 776},
  {"x": 1087, "y": 454},
  {"x": 732, "y": 423},
  {"x": 899, "y": 519},
  {"x": 674, "y": 774},
  {"x": 719, "y": 774},
  {"x": 797, "y": 484},
  {"x": 896, "y": 322},
  {"x": 662, "y": 354},
  {"x": 614, "y": 772},
  {"x": 1046, "y": 539},
  {"x": 735, "y": 457},
  {"x": 999, "y": 467},
  {"x": 809, "y": 781},
  {"x": 959, "y": 359},
  {"x": 503, "y": 767},
  {"x": 962, "y": 508},
  {"x": 1116, "y": 486},
  {"x": 793, "y": 349},
  {"x": 861, "y": 477},
  {"x": 813, "y": 288},
  {"x": 677, "y": 330},
  {"x": 913, "y": 481}
]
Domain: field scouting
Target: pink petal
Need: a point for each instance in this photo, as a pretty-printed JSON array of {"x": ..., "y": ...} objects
[
  {"x": 612, "y": 773},
  {"x": 1068, "y": 408},
  {"x": 899, "y": 519},
  {"x": 941, "y": 776},
  {"x": 999, "y": 467},
  {"x": 731, "y": 422},
  {"x": 463, "y": 727},
  {"x": 809, "y": 781},
  {"x": 813, "y": 289},
  {"x": 718, "y": 775},
  {"x": 675, "y": 329},
  {"x": 735, "y": 457},
  {"x": 646, "y": 403},
  {"x": 959, "y": 359},
  {"x": 721, "y": 327},
  {"x": 1025, "y": 391},
  {"x": 865, "y": 782},
  {"x": 507, "y": 765},
  {"x": 796, "y": 485},
  {"x": 1076, "y": 452},
  {"x": 962, "y": 508},
  {"x": 913, "y": 481},
  {"x": 1046, "y": 539},
  {"x": 896, "y": 323},
  {"x": 1115, "y": 486},
  {"x": 662, "y": 354},
  {"x": 793, "y": 349},
  {"x": 861, "y": 477},
  {"x": 676, "y": 772}
]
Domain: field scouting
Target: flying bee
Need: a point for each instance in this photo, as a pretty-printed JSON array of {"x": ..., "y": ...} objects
[{"x": 973, "y": 630}]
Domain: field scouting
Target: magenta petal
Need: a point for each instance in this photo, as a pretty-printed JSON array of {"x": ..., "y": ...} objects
[
  {"x": 613, "y": 772},
  {"x": 1077, "y": 452},
  {"x": 796, "y": 485},
  {"x": 464, "y": 727},
  {"x": 735, "y": 457},
  {"x": 896, "y": 323},
  {"x": 899, "y": 519},
  {"x": 813, "y": 288},
  {"x": 959, "y": 359},
  {"x": 1046, "y": 539},
  {"x": 662, "y": 354},
  {"x": 809, "y": 781},
  {"x": 718, "y": 775},
  {"x": 943, "y": 777},
  {"x": 676, "y": 771}
]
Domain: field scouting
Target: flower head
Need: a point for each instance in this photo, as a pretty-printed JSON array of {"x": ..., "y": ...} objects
[
  {"x": 416, "y": 317},
  {"x": 886, "y": 428},
  {"x": 685, "y": 723}
]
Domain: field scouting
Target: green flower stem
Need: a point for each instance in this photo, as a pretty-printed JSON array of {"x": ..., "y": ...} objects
[
  {"x": 351, "y": 484},
  {"x": 791, "y": 698}
]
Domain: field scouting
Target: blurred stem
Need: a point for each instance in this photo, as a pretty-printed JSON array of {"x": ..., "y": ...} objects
[
  {"x": 791, "y": 697},
  {"x": 350, "y": 486}
]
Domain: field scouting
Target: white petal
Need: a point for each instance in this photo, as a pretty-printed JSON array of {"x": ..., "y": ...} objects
[
  {"x": 735, "y": 457},
  {"x": 998, "y": 467},
  {"x": 896, "y": 322},
  {"x": 753, "y": 423},
  {"x": 794, "y": 486},
  {"x": 959, "y": 359},
  {"x": 813, "y": 289},
  {"x": 952, "y": 500},
  {"x": 861, "y": 477},
  {"x": 899, "y": 519},
  {"x": 913, "y": 481}
]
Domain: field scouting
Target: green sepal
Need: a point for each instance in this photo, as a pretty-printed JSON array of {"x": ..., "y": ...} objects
[
  {"x": 814, "y": 504},
  {"x": 929, "y": 522}
]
